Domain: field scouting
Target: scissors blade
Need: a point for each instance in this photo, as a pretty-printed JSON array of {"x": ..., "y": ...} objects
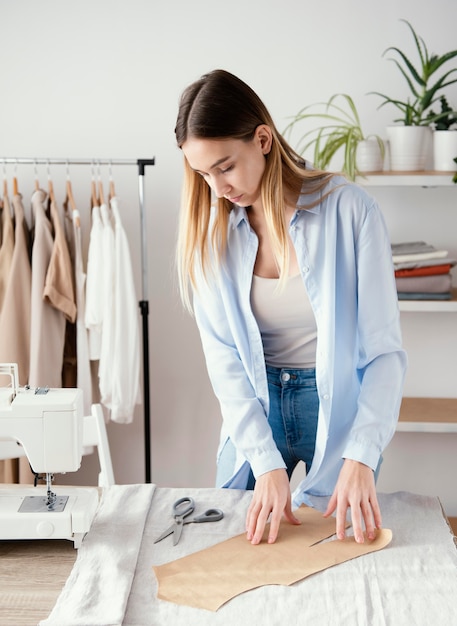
[
  {"x": 166, "y": 533},
  {"x": 177, "y": 531}
]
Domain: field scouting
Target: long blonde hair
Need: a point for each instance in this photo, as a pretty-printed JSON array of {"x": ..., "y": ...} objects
[{"x": 217, "y": 106}]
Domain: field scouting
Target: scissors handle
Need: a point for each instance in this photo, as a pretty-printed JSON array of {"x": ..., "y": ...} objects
[
  {"x": 211, "y": 515},
  {"x": 183, "y": 507}
]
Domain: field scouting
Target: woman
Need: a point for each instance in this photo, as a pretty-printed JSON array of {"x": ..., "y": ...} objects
[{"x": 293, "y": 289}]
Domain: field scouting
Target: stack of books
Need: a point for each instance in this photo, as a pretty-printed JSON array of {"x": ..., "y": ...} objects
[{"x": 422, "y": 272}]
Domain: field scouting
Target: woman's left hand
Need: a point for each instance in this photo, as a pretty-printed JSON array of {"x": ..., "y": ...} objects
[{"x": 355, "y": 489}]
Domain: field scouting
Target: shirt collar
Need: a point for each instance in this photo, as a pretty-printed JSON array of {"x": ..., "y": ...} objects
[{"x": 237, "y": 215}]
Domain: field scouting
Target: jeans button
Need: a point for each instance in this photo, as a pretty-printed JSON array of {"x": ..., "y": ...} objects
[{"x": 285, "y": 377}]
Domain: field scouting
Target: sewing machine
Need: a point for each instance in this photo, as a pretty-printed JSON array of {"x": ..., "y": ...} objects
[{"x": 48, "y": 425}]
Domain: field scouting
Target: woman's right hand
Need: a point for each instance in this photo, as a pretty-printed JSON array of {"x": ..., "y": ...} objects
[{"x": 271, "y": 496}]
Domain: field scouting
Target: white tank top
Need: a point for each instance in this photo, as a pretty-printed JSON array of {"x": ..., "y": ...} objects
[{"x": 286, "y": 322}]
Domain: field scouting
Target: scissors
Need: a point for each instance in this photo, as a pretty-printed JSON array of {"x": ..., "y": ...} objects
[{"x": 182, "y": 508}]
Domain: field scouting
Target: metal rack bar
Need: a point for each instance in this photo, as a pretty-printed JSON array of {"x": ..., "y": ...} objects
[
  {"x": 93, "y": 161},
  {"x": 143, "y": 304}
]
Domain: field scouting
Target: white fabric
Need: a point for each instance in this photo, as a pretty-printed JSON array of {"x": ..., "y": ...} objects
[
  {"x": 107, "y": 356},
  {"x": 425, "y": 256},
  {"x": 97, "y": 589},
  {"x": 84, "y": 380},
  {"x": 94, "y": 286},
  {"x": 413, "y": 581},
  {"x": 112, "y": 314},
  {"x": 409, "y": 251},
  {"x": 125, "y": 366}
]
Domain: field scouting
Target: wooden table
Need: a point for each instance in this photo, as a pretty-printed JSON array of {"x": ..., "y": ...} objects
[{"x": 32, "y": 574}]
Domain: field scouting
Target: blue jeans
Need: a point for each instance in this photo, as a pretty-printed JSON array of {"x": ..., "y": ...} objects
[{"x": 294, "y": 407}]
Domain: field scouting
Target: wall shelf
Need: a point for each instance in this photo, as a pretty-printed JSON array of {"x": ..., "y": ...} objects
[
  {"x": 428, "y": 178},
  {"x": 428, "y": 415}
]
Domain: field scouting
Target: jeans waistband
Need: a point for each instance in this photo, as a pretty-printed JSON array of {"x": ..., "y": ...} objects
[{"x": 290, "y": 374}]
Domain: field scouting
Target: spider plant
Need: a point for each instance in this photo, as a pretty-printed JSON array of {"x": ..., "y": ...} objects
[
  {"x": 422, "y": 82},
  {"x": 340, "y": 130}
]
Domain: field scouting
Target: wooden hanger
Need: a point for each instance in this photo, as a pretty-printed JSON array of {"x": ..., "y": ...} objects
[
  {"x": 71, "y": 200},
  {"x": 15, "y": 183},
  {"x": 51, "y": 191},
  {"x": 5, "y": 182},
  {"x": 112, "y": 190},
  {"x": 70, "y": 197},
  {"x": 50, "y": 186},
  {"x": 101, "y": 195},
  {"x": 37, "y": 182},
  {"x": 93, "y": 188}
]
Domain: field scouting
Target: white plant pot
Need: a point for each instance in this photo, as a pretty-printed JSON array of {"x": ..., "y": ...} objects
[
  {"x": 368, "y": 157},
  {"x": 410, "y": 147},
  {"x": 445, "y": 150}
]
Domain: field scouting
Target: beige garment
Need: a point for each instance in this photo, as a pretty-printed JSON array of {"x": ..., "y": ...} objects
[
  {"x": 7, "y": 247},
  {"x": 69, "y": 366},
  {"x": 8, "y": 469},
  {"x": 15, "y": 313},
  {"x": 47, "y": 328},
  {"x": 58, "y": 289}
]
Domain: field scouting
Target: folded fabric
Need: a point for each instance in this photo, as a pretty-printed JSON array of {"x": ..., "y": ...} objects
[
  {"x": 424, "y": 296},
  {"x": 98, "y": 587},
  {"x": 426, "y": 270},
  {"x": 402, "y": 258},
  {"x": 412, "y": 247},
  {"x": 209, "y": 578},
  {"x": 439, "y": 283},
  {"x": 415, "y": 251},
  {"x": 425, "y": 263}
]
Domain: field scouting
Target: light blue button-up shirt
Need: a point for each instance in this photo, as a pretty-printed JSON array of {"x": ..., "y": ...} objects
[{"x": 344, "y": 254}]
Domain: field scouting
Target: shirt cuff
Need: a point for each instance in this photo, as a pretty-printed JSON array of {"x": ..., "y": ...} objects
[
  {"x": 267, "y": 462},
  {"x": 364, "y": 452}
]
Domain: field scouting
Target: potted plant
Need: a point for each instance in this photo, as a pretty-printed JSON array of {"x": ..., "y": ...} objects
[
  {"x": 444, "y": 137},
  {"x": 425, "y": 88},
  {"x": 339, "y": 132}
]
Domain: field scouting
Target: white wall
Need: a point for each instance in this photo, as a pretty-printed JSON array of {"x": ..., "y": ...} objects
[{"x": 102, "y": 79}]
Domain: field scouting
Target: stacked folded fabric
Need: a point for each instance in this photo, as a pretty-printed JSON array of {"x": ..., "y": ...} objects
[{"x": 422, "y": 272}]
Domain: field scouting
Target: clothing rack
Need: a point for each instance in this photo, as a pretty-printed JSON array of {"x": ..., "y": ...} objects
[{"x": 144, "y": 303}]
